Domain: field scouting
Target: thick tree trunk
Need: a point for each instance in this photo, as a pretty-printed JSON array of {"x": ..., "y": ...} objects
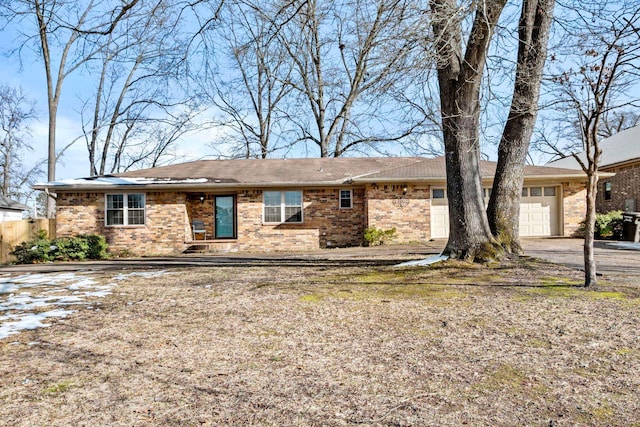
[
  {"x": 504, "y": 204},
  {"x": 459, "y": 78},
  {"x": 469, "y": 232},
  {"x": 590, "y": 277}
]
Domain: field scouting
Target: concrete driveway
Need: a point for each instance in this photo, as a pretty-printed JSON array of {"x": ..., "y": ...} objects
[{"x": 619, "y": 261}]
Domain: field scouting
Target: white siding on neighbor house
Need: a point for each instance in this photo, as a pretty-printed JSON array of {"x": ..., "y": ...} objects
[{"x": 10, "y": 215}]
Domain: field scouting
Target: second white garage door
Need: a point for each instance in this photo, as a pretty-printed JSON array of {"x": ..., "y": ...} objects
[{"x": 539, "y": 212}]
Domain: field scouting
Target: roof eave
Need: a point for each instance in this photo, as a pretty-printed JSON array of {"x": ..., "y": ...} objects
[{"x": 183, "y": 186}]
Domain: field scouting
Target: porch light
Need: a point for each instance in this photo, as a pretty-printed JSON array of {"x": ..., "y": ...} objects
[
  {"x": 404, "y": 190},
  {"x": 202, "y": 198}
]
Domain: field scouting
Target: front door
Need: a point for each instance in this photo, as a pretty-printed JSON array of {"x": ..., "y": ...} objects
[{"x": 225, "y": 217}]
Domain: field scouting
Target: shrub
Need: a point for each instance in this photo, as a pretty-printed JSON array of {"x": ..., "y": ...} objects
[
  {"x": 38, "y": 250},
  {"x": 90, "y": 246},
  {"x": 97, "y": 246},
  {"x": 608, "y": 226},
  {"x": 374, "y": 236}
]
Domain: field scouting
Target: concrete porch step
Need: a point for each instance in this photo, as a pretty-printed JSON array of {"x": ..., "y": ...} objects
[{"x": 197, "y": 249}]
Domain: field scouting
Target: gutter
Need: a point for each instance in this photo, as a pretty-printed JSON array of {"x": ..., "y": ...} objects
[
  {"x": 181, "y": 186},
  {"x": 200, "y": 186}
]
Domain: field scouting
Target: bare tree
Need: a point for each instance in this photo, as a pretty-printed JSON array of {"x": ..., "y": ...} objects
[
  {"x": 65, "y": 34},
  {"x": 16, "y": 113},
  {"x": 595, "y": 81},
  {"x": 618, "y": 120},
  {"x": 460, "y": 69},
  {"x": 346, "y": 56},
  {"x": 138, "y": 73},
  {"x": 253, "y": 84},
  {"x": 504, "y": 203}
]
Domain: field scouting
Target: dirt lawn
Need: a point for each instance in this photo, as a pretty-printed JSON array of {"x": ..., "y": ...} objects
[{"x": 335, "y": 344}]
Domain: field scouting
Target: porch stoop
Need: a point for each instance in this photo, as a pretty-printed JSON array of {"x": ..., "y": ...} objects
[{"x": 209, "y": 246}]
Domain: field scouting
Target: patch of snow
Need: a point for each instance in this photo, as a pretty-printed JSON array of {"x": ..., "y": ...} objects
[
  {"x": 146, "y": 274},
  {"x": 114, "y": 180},
  {"x": 424, "y": 262},
  {"x": 5, "y": 288},
  {"x": 22, "y": 298},
  {"x": 86, "y": 283},
  {"x": 29, "y": 321},
  {"x": 626, "y": 245}
]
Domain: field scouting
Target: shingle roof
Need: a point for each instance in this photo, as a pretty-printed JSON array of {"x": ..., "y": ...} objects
[
  {"x": 299, "y": 172},
  {"x": 265, "y": 171},
  {"x": 619, "y": 148},
  {"x": 7, "y": 203}
]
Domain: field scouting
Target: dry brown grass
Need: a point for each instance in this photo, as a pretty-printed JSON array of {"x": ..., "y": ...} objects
[{"x": 505, "y": 345}]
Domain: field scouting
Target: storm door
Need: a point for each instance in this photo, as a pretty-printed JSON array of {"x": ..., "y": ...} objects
[{"x": 225, "y": 217}]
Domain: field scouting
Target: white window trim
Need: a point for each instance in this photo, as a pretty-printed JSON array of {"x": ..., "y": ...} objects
[
  {"x": 439, "y": 188},
  {"x": 125, "y": 208},
  {"x": 350, "y": 199},
  {"x": 282, "y": 207}
]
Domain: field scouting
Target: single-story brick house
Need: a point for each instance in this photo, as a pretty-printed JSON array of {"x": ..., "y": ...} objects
[
  {"x": 619, "y": 189},
  {"x": 294, "y": 204}
]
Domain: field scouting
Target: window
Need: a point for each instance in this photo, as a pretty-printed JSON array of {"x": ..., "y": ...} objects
[
  {"x": 282, "y": 206},
  {"x": 486, "y": 192},
  {"x": 535, "y": 191},
  {"x": 438, "y": 193},
  {"x": 525, "y": 192},
  {"x": 607, "y": 190},
  {"x": 549, "y": 191},
  {"x": 125, "y": 209},
  {"x": 346, "y": 199}
]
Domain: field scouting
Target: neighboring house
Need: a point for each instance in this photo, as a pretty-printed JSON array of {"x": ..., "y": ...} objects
[
  {"x": 295, "y": 204},
  {"x": 620, "y": 156},
  {"x": 10, "y": 210}
]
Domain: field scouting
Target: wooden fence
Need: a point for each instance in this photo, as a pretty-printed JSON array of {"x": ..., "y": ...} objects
[{"x": 12, "y": 233}]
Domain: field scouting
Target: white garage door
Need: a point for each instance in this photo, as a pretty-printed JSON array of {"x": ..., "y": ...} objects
[
  {"x": 439, "y": 214},
  {"x": 539, "y": 213}
]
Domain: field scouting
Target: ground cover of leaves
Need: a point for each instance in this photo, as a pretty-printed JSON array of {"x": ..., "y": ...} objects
[{"x": 518, "y": 343}]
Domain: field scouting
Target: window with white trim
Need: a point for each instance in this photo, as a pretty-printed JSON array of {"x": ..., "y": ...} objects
[
  {"x": 607, "y": 190},
  {"x": 438, "y": 193},
  {"x": 282, "y": 206},
  {"x": 346, "y": 199},
  {"x": 125, "y": 209}
]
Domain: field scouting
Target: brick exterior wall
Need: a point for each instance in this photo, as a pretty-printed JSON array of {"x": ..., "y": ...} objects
[
  {"x": 574, "y": 206},
  {"x": 166, "y": 222},
  {"x": 324, "y": 224},
  {"x": 625, "y": 185},
  {"x": 168, "y": 217},
  {"x": 409, "y": 214}
]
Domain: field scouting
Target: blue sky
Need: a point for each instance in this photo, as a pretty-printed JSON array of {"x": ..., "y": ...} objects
[{"x": 24, "y": 69}]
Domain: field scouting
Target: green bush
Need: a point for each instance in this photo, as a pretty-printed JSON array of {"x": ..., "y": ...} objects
[
  {"x": 90, "y": 246},
  {"x": 608, "y": 226},
  {"x": 374, "y": 236}
]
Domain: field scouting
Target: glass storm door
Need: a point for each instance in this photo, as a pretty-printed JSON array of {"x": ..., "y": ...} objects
[{"x": 225, "y": 217}]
